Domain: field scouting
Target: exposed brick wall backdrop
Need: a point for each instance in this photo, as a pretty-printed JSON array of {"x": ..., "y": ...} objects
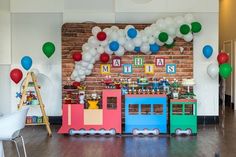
[{"x": 74, "y": 35}]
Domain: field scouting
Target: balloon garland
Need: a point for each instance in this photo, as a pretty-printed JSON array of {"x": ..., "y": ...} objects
[{"x": 117, "y": 41}]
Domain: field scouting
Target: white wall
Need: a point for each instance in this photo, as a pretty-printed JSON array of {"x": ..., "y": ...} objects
[
  {"x": 34, "y": 22},
  {"x": 5, "y": 104},
  {"x": 29, "y": 33}
]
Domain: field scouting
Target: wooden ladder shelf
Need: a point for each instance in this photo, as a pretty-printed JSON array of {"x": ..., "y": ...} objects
[{"x": 31, "y": 77}]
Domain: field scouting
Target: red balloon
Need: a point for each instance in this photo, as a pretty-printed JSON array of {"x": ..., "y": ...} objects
[
  {"x": 76, "y": 84},
  {"x": 101, "y": 36},
  {"x": 16, "y": 75},
  {"x": 77, "y": 56},
  {"x": 222, "y": 57},
  {"x": 104, "y": 57}
]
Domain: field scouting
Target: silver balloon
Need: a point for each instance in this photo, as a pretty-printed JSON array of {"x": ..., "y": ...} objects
[{"x": 213, "y": 70}]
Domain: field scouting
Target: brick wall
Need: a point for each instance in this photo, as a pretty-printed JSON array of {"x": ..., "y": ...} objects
[{"x": 74, "y": 35}]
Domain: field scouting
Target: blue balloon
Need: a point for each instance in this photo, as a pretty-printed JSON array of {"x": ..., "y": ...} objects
[
  {"x": 154, "y": 48},
  {"x": 137, "y": 49},
  {"x": 132, "y": 33},
  {"x": 26, "y": 62},
  {"x": 114, "y": 46},
  {"x": 207, "y": 51}
]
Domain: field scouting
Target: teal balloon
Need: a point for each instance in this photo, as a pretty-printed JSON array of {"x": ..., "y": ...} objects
[
  {"x": 26, "y": 62},
  {"x": 207, "y": 51},
  {"x": 48, "y": 49},
  {"x": 225, "y": 70}
]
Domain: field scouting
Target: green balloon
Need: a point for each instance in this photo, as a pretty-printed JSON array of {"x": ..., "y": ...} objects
[
  {"x": 184, "y": 29},
  {"x": 196, "y": 27},
  {"x": 48, "y": 49},
  {"x": 170, "y": 45},
  {"x": 225, "y": 70},
  {"x": 163, "y": 37}
]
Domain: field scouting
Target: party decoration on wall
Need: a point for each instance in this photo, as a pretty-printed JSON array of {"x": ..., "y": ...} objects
[
  {"x": 149, "y": 68},
  {"x": 222, "y": 57},
  {"x": 26, "y": 62},
  {"x": 138, "y": 61},
  {"x": 207, "y": 51},
  {"x": 116, "y": 41},
  {"x": 225, "y": 70},
  {"x": 77, "y": 56},
  {"x": 16, "y": 75},
  {"x": 171, "y": 68},
  {"x": 104, "y": 58},
  {"x": 105, "y": 69},
  {"x": 160, "y": 62},
  {"x": 127, "y": 69},
  {"x": 213, "y": 70},
  {"x": 18, "y": 95},
  {"x": 116, "y": 62},
  {"x": 48, "y": 49}
]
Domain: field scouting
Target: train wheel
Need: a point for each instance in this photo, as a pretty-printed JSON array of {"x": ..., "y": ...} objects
[
  {"x": 156, "y": 132},
  {"x": 92, "y": 131},
  {"x": 71, "y": 132},
  {"x": 102, "y": 131},
  {"x": 145, "y": 132},
  {"x": 177, "y": 131},
  {"x": 135, "y": 132},
  {"x": 189, "y": 131},
  {"x": 113, "y": 131},
  {"x": 82, "y": 132}
]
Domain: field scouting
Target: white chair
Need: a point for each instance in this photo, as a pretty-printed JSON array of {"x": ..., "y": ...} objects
[{"x": 10, "y": 126}]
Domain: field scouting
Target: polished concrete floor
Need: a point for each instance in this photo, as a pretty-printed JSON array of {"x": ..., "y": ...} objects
[{"x": 211, "y": 141}]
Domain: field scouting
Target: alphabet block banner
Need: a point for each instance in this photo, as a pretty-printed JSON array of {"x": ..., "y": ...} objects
[{"x": 74, "y": 35}]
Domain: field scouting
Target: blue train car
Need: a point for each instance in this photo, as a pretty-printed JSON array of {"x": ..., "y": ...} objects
[{"x": 145, "y": 114}]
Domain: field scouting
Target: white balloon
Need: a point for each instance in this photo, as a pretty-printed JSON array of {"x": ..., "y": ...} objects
[
  {"x": 85, "y": 47},
  {"x": 114, "y": 36},
  {"x": 169, "y": 21},
  {"x": 100, "y": 49},
  {"x": 171, "y": 31},
  {"x": 81, "y": 72},
  {"x": 148, "y": 31},
  {"x": 144, "y": 38},
  {"x": 179, "y": 20},
  {"x": 121, "y": 32},
  {"x": 107, "y": 31},
  {"x": 188, "y": 37},
  {"x": 74, "y": 74},
  {"x": 121, "y": 40},
  {"x": 144, "y": 47},
  {"x": 95, "y": 30},
  {"x": 149, "y": 52},
  {"x": 93, "y": 60},
  {"x": 77, "y": 79},
  {"x": 35, "y": 71},
  {"x": 151, "y": 40},
  {"x": 88, "y": 72},
  {"x": 84, "y": 63},
  {"x": 115, "y": 28},
  {"x": 82, "y": 77},
  {"x": 137, "y": 41},
  {"x": 87, "y": 57},
  {"x": 179, "y": 34},
  {"x": 161, "y": 24},
  {"x": 189, "y": 18},
  {"x": 108, "y": 51},
  {"x": 120, "y": 51},
  {"x": 104, "y": 43},
  {"x": 169, "y": 41},
  {"x": 129, "y": 45},
  {"x": 92, "y": 51},
  {"x": 97, "y": 57},
  {"x": 213, "y": 70},
  {"x": 159, "y": 42},
  {"x": 90, "y": 66},
  {"x": 92, "y": 41}
]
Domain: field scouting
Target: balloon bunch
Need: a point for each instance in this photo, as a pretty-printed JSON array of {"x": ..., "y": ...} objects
[
  {"x": 225, "y": 69},
  {"x": 113, "y": 40}
]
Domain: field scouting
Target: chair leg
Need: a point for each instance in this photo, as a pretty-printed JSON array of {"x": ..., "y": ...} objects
[
  {"x": 23, "y": 143},
  {"x": 16, "y": 147}
]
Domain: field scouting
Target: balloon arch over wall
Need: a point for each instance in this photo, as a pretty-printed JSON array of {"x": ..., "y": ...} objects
[{"x": 113, "y": 40}]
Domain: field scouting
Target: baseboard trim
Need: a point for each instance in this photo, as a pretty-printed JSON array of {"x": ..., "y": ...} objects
[{"x": 57, "y": 120}]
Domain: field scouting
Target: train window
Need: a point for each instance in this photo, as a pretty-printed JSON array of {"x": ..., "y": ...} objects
[
  {"x": 133, "y": 109},
  {"x": 111, "y": 103},
  {"x": 189, "y": 109},
  {"x": 157, "y": 108},
  {"x": 177, "y": 109},
  {"x": 146, "y": 109}
]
